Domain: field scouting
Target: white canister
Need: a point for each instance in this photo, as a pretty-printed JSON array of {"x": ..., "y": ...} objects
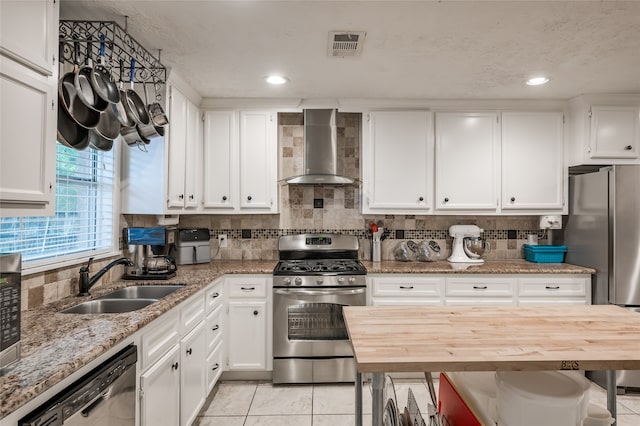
[{"x": 532, "y": 240}]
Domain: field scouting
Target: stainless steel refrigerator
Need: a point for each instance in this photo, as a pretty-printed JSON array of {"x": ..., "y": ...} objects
[{"x": 603, "y": 232}]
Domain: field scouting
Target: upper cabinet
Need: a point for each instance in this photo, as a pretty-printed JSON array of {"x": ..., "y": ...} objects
[
  {"x": 533, "y": 173},
  {"x": 467, "y": 153},
  {"x": 605, "y": 130},
  {"x": 241, "y": 162},
  {"x": 28, "y": 84},
  {"x": 397, "y": 162}
]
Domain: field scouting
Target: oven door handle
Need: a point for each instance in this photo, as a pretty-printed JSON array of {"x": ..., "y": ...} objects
[{"x": 332, "y": 291}]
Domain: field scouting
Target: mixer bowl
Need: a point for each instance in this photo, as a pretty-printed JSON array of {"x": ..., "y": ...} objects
[{"x": 475, "y": 247}]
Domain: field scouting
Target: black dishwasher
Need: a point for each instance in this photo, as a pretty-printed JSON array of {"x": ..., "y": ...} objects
[{"x": 105, "y": 396}]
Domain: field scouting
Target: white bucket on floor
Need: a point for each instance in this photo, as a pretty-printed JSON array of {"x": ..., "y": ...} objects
[
  {"x": 534, "y": 398},
  {"x": 597, "y": 416}
]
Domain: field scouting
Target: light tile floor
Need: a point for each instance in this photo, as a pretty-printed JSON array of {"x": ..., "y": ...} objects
[{"x": 236, "y": 403}]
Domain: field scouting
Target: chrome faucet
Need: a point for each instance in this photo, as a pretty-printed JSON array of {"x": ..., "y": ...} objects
[{"x": 86, "y": 283}]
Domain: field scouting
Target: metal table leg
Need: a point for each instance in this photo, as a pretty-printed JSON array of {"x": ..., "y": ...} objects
[
  {"x": 611, "y": 394},
  {"x": 358, "y": 399},
  {"x": 377, "y": 406}
]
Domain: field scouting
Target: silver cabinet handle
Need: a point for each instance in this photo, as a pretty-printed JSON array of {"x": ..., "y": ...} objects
[
  {"x": 247, "y": 288},
  {"x": 552, "y": 287},
  {"x": 479, "y": 287},
  {"x": 406, "y": 287}
]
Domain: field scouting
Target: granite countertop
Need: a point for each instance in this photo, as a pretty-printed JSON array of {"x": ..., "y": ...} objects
[{"x": 55, "y": 345}]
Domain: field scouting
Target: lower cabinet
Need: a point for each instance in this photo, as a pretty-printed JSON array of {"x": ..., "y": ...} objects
[
  {"x": 192, "y": 374},
  {"x": 160, "y": 391}
]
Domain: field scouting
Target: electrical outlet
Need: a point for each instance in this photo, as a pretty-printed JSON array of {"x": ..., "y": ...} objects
[
  {"x": 222, "y": 240},
  {"x": 551, "y": 222}
]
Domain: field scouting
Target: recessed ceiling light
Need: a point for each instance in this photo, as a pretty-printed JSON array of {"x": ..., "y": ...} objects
[
  {"x": 276, "y": 79},
  {"x": 537, "y": 81}
]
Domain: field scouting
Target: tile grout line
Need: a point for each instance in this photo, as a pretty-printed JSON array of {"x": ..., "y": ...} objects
[{"x": 246, "y": 417}]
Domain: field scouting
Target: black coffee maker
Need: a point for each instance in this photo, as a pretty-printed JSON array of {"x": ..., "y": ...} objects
[{"x": 152, "y": 251}]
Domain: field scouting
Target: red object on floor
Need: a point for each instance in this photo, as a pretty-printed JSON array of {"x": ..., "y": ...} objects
[{"x": 451, "y": 407}]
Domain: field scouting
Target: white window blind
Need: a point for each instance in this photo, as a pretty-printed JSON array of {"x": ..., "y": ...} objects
[{"x": 84, "y": 218}]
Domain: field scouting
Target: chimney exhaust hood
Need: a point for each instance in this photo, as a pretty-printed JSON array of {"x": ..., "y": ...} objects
[{"x": 320, "y": 150}]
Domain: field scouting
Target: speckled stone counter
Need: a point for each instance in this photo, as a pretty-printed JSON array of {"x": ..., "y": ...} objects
[
  {"x": 488, "y": 267},
  {"x": 55, "y": 345}
]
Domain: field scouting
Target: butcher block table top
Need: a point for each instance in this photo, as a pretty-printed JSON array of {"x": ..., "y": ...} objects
[{"x": 425, "y": 338}]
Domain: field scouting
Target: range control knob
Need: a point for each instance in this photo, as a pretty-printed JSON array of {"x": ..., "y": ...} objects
[
  {"x": 287, "y": 281},
  {"x": 319, "y": 280},
  {"x": 340, "y": 280},
  {"x": 298, "y": 281},
  {"x": 352, "y": 280}
]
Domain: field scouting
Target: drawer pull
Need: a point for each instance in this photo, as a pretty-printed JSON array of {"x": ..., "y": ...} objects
[
  {"x": 189, "y": 351},
  {"x": 174, "y": 366},
  {"x": 406, "y": 287},
  {"x": 247, "y": 288},
  {"x": 552, "y": 287},
  {"x": 215, "y": 367},
  {"x": 214, "y": 295},
  {"x": 215, "y": 327},
  {"x": 479, "y": 287}
]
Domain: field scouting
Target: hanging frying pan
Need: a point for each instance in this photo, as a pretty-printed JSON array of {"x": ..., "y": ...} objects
[
  {"x": 101, "y": 81},
  {"x": 135, "y": 107},
  {"x": 70, "y": 133},
  {"x": 120, "y": 108},
  {"x": 83, "y": 85}
]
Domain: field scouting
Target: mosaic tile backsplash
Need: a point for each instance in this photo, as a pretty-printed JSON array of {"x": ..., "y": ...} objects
[{"x": 256, "y": 236}]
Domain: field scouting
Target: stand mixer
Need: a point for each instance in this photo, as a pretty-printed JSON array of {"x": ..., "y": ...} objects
[{"x": 463, "y": 237}]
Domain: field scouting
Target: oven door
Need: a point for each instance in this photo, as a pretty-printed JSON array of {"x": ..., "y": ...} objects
[{"x": 309, "y": 322}]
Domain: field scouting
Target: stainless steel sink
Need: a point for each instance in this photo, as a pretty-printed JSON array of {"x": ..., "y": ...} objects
[
  {"x": 109, "y": 306},
  {"x": 142, "y": 292}
]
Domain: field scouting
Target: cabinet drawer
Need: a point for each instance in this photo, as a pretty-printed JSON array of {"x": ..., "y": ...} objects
[
  {"x": 407, "y": 287},
  {"x": 214, "y": 367},
  {"x": 192, "y": 312},
  {"x": 214, "y": 328},
  {"x": 480, "y": 286},
  {"x": 247, "y": 288},
  {"x": 480, "y": 301},
  {"x": 213, "y": 296},
  {"x": 159, "y": 337},
  {"x": 405, "y": 301},
  {"x": 552, "y": 287}
]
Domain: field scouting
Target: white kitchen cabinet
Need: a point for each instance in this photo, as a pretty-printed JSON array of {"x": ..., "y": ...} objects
[
  {"x": 160, "y": 391},
  {"x": 193, "y": 376},
  {"x": 220, "y": 185},
  {"x": 397, "y": 163},
  {"x": 248, "y": 333},
  {"x": 534, "y": 178},
  {"x": 258, "y": 161},
  {"x": 28, "y": 84},
  {"x": 183, "y": 152},
  {"x": 411, "y": 289},
  {"x": 29, "y": 33},
  {"x": 214, "y": 366},
  {"x": 480, "y": 290},
  {"x": 467, "y": 161},
  {"x": 605, "y": 129},
  {"x": 241, "y": 162},
  {"x": 554, "y": 290}
]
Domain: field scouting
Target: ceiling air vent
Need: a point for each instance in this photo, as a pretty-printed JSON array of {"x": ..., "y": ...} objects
[{"x": 346, "y": 43}]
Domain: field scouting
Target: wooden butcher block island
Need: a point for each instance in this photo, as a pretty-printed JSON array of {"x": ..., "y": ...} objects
[{"x": 515, "y": 338}]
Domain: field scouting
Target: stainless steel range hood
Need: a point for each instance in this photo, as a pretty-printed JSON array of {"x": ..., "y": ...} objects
[{"x": 320, "y": 150}]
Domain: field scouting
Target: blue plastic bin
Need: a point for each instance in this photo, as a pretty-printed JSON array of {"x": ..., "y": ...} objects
[{"x": 544, "y": 254}]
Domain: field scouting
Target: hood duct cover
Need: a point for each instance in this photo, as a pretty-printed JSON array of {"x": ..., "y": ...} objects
[{"x": 320, "y": 150}]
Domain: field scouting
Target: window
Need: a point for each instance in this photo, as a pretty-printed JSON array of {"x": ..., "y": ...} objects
[{"x": 84, "y": 220}]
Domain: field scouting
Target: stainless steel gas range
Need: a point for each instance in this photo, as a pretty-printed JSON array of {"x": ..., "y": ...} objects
[{"x": 317, "y": 275}]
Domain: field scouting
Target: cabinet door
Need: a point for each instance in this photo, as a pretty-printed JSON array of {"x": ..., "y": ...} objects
[
  {"x": 27, "y": 141},
  {"x": 193, "y": 377},
  {"x": 615, "y": 131},
  {"x": 532, "y": 161},
  {"x": 177, "y": 149},
  {"x": 193, "y": 157},
  {"x": 258, "y": 159},
  {"x": 160, "y": 391},
  {"x": 29, "y": 33},
  {"x": 246, "y": 337},
  {"x": 398, "y": 163},
  {"x": 467, "y": 161},
  {"x": 221, "y": 160}
]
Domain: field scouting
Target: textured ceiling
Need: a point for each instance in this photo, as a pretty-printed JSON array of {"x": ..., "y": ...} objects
[{"x": 416, "y": 49}]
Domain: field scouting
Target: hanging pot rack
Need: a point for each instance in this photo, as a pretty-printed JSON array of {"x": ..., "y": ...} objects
[{"x": 119, "y": 47}]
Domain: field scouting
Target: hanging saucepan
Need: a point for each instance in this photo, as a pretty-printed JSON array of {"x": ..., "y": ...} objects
[
  {"x": 84, "y": 86},
  {"x": 101, "y": 81},
  {"x": 135, "y": 107},
  {"x": 99, "y": 142},
  {"x": 106, "y": 131},
  {"x": 148, "y": 131},
  {"x": 70, "y": 133},
  {"x": 132, "y": 137},
  {"x": 156, "y": 111},
  {"x": 120, "y": 108}
]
